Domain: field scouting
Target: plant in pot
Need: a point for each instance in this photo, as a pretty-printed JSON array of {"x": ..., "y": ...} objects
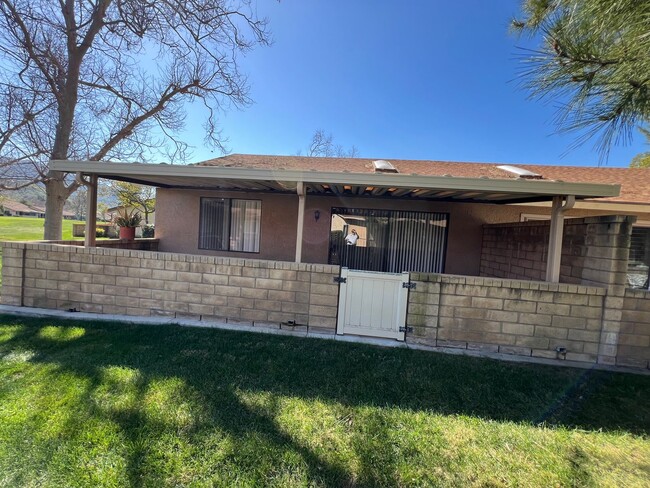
[{"x": 127, "y": 220}]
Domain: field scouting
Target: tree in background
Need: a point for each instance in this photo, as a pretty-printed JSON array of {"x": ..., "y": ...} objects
[
  {"x": 322, "y": 145},
  {"x": 108, "y": 79},
  {"x": 642, "y": 160},
  {"x": 141, "y": 198},
  {"x": 77, "y": 202},
  {"x": 593, "y": 58}
]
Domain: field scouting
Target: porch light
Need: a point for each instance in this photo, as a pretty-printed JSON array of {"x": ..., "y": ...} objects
[{"x": 316, "y": 215}]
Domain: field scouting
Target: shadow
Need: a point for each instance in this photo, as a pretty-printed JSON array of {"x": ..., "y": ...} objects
[{"x": 222, "y": 370}]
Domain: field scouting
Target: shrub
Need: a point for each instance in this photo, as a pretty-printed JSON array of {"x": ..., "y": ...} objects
[
  {"x": 99, "y": 232},
  {"x": 147, "y": 231},
  {"x": 127, "y": 218}
]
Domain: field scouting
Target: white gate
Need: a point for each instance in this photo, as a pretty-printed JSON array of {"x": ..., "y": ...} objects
[{"x": 372, "y": 304}]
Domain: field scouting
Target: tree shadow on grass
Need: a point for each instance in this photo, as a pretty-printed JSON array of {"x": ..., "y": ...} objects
[{"x": 218, "y": 365}]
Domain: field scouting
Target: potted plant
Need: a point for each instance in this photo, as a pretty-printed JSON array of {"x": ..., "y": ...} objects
[{"x": 127, "y": 220}]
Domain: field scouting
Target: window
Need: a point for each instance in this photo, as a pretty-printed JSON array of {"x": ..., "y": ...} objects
[{"x": 228, "y": 224}]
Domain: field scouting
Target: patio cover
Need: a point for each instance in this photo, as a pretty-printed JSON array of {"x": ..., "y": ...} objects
[
  {"x": 342, "y": 182},
  {"x": 305, "y": 177}
]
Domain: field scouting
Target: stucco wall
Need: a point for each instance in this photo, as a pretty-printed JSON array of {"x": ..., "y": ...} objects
[{"x": 177, "y": 224}]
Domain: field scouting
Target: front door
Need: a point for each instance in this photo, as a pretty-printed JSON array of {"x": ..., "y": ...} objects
[{"x": 372, "y": 304}]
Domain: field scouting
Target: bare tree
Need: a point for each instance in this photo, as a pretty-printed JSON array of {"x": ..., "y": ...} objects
[
  {"x": 109, "y": 79},
  {"x": 322, "y": 144}
]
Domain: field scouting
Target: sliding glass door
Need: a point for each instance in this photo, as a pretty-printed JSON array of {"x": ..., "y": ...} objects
[{"x": 388, "y": 240}]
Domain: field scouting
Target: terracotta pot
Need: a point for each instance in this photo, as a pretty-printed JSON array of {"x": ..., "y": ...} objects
[{"x": 127, "y": 233}]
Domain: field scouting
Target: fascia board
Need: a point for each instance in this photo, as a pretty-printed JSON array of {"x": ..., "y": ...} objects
[{"x": 106, "y": 169}]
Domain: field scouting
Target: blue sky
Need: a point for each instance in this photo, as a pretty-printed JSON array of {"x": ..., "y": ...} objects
[{"x": 401, "y": 80}]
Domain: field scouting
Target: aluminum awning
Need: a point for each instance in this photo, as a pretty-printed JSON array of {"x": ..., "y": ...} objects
[{"x": 339, "y": 183}]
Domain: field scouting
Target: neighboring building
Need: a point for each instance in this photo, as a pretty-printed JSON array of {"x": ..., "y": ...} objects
[
  {"x": 12, "y": 208},
  {"x": 113, "y": 211}
]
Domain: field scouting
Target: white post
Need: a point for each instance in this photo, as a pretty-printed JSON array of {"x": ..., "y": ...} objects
[
  {"x": 555, "y": 238},
  {"x": 91, "y": 212},
  {"x": 300, "y": 189}
]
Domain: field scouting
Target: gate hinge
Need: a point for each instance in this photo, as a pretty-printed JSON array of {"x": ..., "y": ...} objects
[
  {"x": 340, "y": 279},
  {"x": 406, "y": 329},
  {"x": 410, "y": 285}
]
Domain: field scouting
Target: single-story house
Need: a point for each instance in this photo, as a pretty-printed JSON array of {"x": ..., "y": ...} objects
[
  {"x": 442, "y": 254},
  {"x": 12, "y": 208},
  {"x": 114, "y": 211}
]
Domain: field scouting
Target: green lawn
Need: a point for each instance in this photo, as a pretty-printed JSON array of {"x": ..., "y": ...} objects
[
  {"x": 99, "y": 404},
  {"x": 28, "y": 229}
]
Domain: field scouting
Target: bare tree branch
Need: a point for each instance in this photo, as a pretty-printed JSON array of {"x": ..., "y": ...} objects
[{"x": 109, "y": 79}]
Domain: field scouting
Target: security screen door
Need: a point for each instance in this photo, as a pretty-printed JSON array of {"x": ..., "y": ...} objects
[{"x": 390, "y": 241}]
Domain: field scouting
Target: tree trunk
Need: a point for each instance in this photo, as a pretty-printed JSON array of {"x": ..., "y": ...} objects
[{"x": 56, "y": 193}]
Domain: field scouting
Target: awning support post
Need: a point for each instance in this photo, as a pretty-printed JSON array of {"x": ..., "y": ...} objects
[
  {"x": 90, "y": 239},
  {"x": 300, "y": 189},
  {"x": 555, "y": 237}
]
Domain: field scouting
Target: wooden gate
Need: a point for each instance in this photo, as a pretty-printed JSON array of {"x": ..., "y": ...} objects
[{"x": 373, "y": 304}]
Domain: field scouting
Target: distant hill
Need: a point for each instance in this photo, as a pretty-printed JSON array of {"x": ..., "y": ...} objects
[{"x": 34, "y": 196}]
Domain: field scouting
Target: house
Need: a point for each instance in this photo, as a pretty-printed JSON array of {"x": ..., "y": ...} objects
[
  {"x": 441, "y": 256},
  {"x": 113, "y": 212},
  {"x": 12, "y": 208}
]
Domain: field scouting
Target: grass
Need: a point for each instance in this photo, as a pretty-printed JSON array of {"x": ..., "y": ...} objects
[
  {"x": 28, "y": 229},
  {"x": 108, "y": 404}
]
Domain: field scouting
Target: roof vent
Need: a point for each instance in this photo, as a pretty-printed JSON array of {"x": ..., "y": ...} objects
[
  {"x": 382, "y": 166},
  {"x": 520, "y": 172}
]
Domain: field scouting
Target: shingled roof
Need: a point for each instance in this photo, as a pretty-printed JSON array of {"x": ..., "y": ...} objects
[{"x": 635, "y": 182}]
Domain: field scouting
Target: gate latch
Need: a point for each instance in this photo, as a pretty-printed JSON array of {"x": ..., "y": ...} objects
[
  {"x": 340, "y": 279},
  {"x": 410, "y": 285},
  {"x": 406, "y": 329}
]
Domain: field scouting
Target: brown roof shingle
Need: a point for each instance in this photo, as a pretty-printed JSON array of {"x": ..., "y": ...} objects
[{"x": 635, "y": 182}]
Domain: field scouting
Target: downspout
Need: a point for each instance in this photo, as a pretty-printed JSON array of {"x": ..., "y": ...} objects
[
  {"x": 555, "y": 237},
  {"x": 90, "y": 239},
  {"x": 300, "y": 190}
]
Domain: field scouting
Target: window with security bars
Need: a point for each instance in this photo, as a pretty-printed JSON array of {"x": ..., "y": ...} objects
[
  {"x": 390, "y": 241},
  {"x": 228, "y": 224},
  {"x": 639, "y": 260}
]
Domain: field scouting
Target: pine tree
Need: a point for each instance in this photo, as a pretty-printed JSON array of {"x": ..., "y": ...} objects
[{"x": 595, "y": 58}]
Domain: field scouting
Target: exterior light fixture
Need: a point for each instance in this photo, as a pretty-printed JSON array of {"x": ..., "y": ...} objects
[{"x": 317, "y": 215}]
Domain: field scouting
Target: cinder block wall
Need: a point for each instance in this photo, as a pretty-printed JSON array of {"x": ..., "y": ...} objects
[
  {"x": 120, "y": 281},
  {"x": 633, "y": 341},
  {"x": 508, "y": 316},
  {"x": 595, "y": 250}
]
